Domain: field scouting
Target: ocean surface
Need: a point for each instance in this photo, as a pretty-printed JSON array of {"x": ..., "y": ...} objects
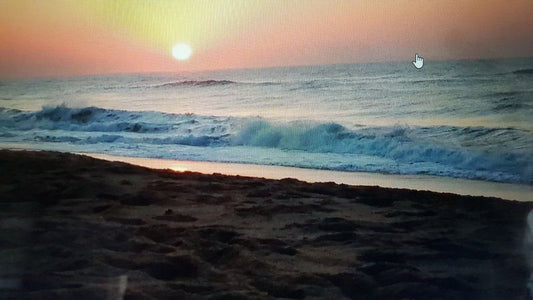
[{"x": 465, "y": 119}]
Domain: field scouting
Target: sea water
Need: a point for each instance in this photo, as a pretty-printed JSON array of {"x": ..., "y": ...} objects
[{"x": 467, "y": 119}]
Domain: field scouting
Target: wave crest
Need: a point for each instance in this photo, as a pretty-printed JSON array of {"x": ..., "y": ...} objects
[{"x": 499, "y": 154}]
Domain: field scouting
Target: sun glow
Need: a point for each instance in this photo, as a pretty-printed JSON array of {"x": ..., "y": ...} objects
[{"x": 181, "y": 51}]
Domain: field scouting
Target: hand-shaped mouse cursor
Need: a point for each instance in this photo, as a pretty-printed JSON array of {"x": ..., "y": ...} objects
[{"x": 418, "y": 62}]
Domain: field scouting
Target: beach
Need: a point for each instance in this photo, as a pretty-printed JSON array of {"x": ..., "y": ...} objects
[
  {"x": 237, "y": 150},
  {"x": 73, "y": 226}
]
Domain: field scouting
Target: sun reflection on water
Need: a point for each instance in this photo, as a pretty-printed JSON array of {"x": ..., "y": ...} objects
[{"x": 178, "y": 169}]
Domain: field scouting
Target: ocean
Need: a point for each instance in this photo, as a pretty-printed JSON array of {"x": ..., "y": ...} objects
[{"x": 466, "y": 119}]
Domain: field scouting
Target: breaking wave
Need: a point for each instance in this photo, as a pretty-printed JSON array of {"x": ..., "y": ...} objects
[{"x": 494, "y": 154}]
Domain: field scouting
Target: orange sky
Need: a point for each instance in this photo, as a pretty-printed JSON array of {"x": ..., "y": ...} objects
[{"x": 59, "y": 37}]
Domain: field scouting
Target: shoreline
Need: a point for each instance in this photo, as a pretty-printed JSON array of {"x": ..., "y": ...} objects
[
  {"x": 74, "y": 226},
  {"x": 440, "y": 184}
]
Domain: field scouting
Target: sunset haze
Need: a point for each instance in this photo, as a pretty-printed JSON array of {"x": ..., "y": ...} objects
[{"x": 56, "y": 38}]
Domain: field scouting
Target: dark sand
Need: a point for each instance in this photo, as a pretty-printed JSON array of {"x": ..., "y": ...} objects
[{"x": 77, "y": 227}]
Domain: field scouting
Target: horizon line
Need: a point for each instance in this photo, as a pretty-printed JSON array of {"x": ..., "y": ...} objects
[{"x": 69, "y": 76}]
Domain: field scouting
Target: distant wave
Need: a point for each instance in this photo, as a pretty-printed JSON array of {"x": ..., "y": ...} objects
[
  {"x": 524, "y": 72},
  {"x": 208, "y": 83},
  {"x": 511, "y": 107},
  {"x": 496, "y": 154},
  {"x": 196, "y": 83}
]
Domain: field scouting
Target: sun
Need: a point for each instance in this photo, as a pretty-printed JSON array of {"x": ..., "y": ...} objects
[{"x": 181, "y": 51}]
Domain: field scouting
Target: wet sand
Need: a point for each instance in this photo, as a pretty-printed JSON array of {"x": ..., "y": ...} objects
[
  {"x": 461, "y": 186},
  {"x": 77, "y": 227}
]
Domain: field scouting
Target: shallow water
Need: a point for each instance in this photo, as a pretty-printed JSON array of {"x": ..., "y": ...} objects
[{"x": 417, "y": 182}]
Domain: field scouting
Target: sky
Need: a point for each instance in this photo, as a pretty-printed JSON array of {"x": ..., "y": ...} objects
[{"x": 65, "y": 38}]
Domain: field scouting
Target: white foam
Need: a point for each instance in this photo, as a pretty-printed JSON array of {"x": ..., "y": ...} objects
[{"x": 493, "y": 154}]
